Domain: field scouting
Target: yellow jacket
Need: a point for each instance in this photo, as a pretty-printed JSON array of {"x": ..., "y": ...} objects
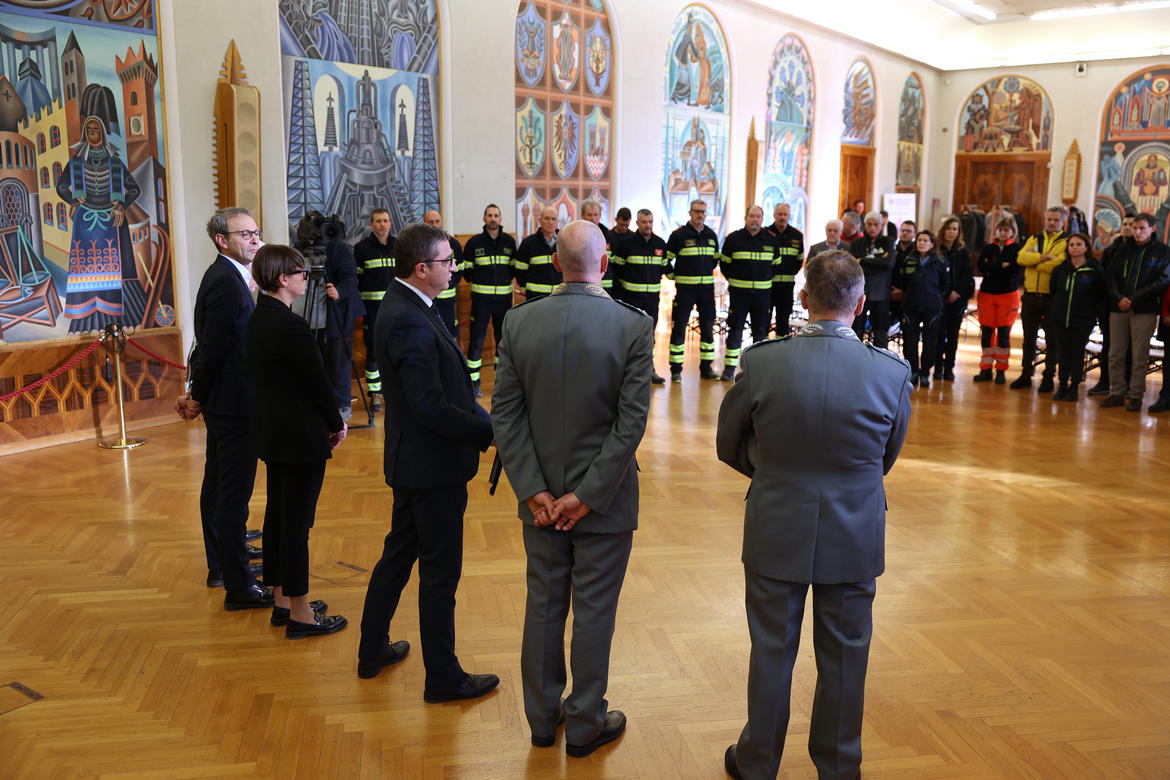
[{"x": 1037, "y": 273}]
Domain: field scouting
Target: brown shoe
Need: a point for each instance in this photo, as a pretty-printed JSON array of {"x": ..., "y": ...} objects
[
  {"x": 1133, "y": 404},
  {"x": 1113, "y": 400}
]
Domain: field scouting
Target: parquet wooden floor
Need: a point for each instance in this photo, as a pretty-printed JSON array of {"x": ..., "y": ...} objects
[{"x": 1022, "y": 628}]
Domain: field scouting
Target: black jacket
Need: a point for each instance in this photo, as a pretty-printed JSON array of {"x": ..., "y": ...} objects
[
  {"x": 219, "y": 362},
  {"x": 962, "y": 275},
  {"x": 341, "y": 270},
  {"x": 293, "y": 408},
  {"x": 434, "y": 428},
  {"x": 1140, "y": 272},
  {"x": 876, "y": 256},
  {"x": 998, "y": 280},
  {"x": 791, "y": 253},
  {"x": 375, "y": 266},
  {"x": 1077, "y": 292},
  {"x": 534, "y": 269},
  {"x": 488, "y": 263},
  {"x": 924, "y": 282},
  {"x": 748, "y": 261},
  {"x": 693, "y": 255}
]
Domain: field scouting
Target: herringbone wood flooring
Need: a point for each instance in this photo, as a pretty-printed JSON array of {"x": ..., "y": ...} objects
[{"x": 1021, "y": 630}]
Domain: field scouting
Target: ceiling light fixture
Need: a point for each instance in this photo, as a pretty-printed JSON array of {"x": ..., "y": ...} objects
[
  {"x": 1065, "y": 13},
  {"x": 971, "y": 7}
]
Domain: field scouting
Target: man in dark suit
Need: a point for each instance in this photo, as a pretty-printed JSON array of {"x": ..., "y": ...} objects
[
  {"x": 814, "y": 515},
  {"x": 434, "y": 433},
  {"x": 569, "y": 409},
  {"x": 220, "y": 391}
]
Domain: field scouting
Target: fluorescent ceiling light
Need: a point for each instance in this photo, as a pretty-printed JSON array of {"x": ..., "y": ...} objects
[
  {"x": 1064, "y": 13},
  {"x": 971, "y": 7}
]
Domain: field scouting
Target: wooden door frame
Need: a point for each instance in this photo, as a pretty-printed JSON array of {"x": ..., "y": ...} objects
[
  {"x": 1032, "y": 211},
  {"x": 867, "y": 152}
]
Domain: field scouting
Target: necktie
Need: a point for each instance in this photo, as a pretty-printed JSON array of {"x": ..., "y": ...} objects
[{"x": 434, "y": 314}]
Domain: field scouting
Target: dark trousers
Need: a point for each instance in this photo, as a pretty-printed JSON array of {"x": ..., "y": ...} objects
[
  {"x": 948, "y": 333},
  {"x": 228, "y": 477},
  {"x": 743, "y": 304},
  {"x": 782, "y": 304},
  {"x": 646, "y": 301},
  {"x": 924, "y": 324},
  {"x": 686, "y": 298},
  {"x": 427, "y": 526},
  {"x": 446, "y": 309},
  {"x": 1072, "y": 340},
  {"x": 484, "y": 309},
  {"x": 1033, "y": 313},
  {"x": 337, "y": 354},
  {"x": 373, "y": 377},
  {"x": 878, "y": 314},
  {"x": 842, "y": 629},
  {"x": 586, "y": 570},
  {"x": 293, "y": 489}
]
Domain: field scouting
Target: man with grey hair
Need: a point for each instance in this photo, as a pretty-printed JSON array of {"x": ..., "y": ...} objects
[
  {"x": 814, "y": 516},
  {"x": 535, "y": 273},
  {"x": 852, "y": 226},
  {"x": 875, "y": 253},
  {"x": 591, "y": 212},
  {"x": 569, "y": 408},
  {"x": 832, "y": 240},
  {"x": 221, "y": 392}
]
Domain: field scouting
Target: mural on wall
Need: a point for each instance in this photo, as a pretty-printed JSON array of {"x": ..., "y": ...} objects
[
  {"x": 361, "y": 96},
  {"x": 697, "y": 120},
  {"x": 84, "y": 217},
  {"x": 859, "y": 113},
  {"x": 1134, "y": 163},
  {"x": 564, "y": 110},
  {"x": 911, "y": 119},
  {"x": 788, "y": 133},
  {"x": 1007, "y": 114}
]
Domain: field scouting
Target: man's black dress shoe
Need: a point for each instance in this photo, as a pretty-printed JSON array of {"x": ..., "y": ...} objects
[
  {"x": 252, "y": 535},
  {"x": 615, "y": 724},
  {"x": 254, "y": 553},
  {"x": 543, "y": 742},
  {"x": 472, "y": 686},
  {"x": 255, "y": 597},
  {"x": 280, "y": 615},
  {"x": 394, "y": 652},
  {"x": 215, "y": 578},
  {"x": 326, "y": 624},
  {"x": 730, "y": 764}
]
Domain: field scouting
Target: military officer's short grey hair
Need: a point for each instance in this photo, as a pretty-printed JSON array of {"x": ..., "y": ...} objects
[
  {"x": 580, "y": 247},
  {"x": 834, "y": 281}
]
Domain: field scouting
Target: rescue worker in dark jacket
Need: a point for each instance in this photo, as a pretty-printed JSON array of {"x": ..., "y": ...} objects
[
  {"x": 693, "y": 252},
  {"x": 591, "y": 211},
  {"x": 875, "y": 251},
  {"x": 535, "y": 273},
  {"x": 640, "y": 260},
  {"x": 954, "y": 254},
  {"x": 487, "y": 264},
  {"x": 374, "y": 256},
  {"x": 789, "y": 261},
  {"x": 749, "y": 257},
  {"x": 923, "y": 280},
  {"x": 445, "y": 301},
  {"x": 1078, "y": 287}
]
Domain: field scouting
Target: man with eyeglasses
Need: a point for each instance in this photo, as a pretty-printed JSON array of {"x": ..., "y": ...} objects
[
  {"x": 435, "y": 431},
  {"x": 219, "y": 390}
]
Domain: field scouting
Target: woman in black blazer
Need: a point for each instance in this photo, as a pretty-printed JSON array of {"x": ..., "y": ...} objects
[{"x": 295, "y": 425}]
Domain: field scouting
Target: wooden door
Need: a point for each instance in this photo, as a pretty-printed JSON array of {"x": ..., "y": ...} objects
[
  {"x": 856, "y": 177},
  {"x": 1017, "y": 180}
]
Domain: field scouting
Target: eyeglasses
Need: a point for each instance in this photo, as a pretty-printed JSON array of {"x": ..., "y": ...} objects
[
  {"x": 302, "y": 272},
  {"x": 450, "y": 261},
  {"x": 247, "y": 235}
]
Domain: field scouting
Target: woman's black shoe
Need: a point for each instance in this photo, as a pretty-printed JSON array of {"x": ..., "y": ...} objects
[
  {"x": 280, "y": 615},
  {"x": 326, "y": 624}
]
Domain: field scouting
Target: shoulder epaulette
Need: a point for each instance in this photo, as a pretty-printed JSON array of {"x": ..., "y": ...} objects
[
  {"x": 631, "y": 307},
  {"x": 776, "y": 340},
  {"x": 888, "y": 353}
]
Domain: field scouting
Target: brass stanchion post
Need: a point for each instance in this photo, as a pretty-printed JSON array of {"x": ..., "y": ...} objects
[{"x": 114, "y": 339}]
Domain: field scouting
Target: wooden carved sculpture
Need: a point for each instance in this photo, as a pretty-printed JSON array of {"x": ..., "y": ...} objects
[{"x": 237, "y": 138}]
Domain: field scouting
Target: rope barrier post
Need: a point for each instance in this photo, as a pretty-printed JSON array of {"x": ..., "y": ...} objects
[{"x": 114, "y": 338}]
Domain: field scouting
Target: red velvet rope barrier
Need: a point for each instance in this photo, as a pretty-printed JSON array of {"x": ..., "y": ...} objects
[
  {"x": 156, "y": 356},
  {"x": 76, "y": 359}
]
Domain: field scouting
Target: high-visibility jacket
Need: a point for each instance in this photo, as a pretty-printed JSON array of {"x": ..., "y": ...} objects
[
  {"x": 747, "y": 260},
  {"x": 693, "y": 255},
  {"x": 488, "y": 263}
]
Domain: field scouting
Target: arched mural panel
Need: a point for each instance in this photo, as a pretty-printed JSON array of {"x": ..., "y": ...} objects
[
  {"x": 696, "y": 133},
  {"x": 859, "y": 113},
  {"x": 1007, "y": 114},
  {"x": 1133, "y": 164},
  {"x": 564, "y": 109},
  {"x": 788, "y": 131},
  {"x": 911, "y": 120}
]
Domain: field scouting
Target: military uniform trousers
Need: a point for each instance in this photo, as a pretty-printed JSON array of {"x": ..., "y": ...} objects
[
  {"x": 842, "y": 629},
  {"x": 686, "y": 298},
  {"x": 484, "y": 307},
  {"x": 586, "y": 570},
  {"x": 373, "y": 376},
  {"x": 782, "y": 299},
  {"x": 756, "y": 304}
]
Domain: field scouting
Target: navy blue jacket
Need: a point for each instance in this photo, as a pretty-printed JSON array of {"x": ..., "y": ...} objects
[
  {"x": 219, "y": 362},
  {"x": 924, "y": 282}
]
